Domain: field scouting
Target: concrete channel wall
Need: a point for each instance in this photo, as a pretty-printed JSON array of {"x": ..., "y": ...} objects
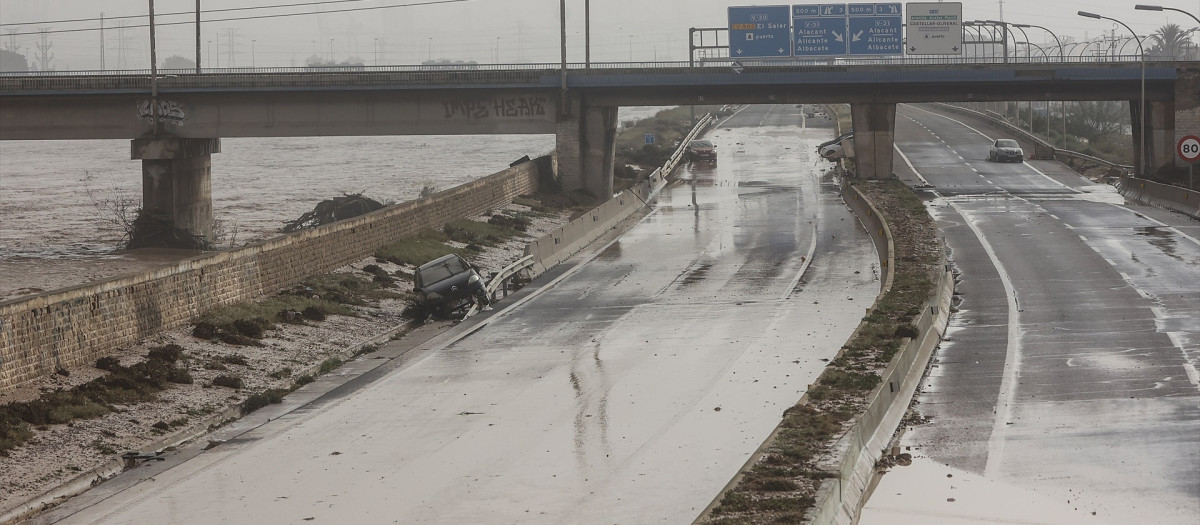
[{"x": 74, "y": 326}]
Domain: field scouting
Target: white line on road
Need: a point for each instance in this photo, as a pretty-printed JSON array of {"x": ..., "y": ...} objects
[
  {"x": 1012, "y": 360},
  {"x": 982, "y": 134},
  {"x": 1006, "y": 400},
  {"x": 910, "y": 164}
]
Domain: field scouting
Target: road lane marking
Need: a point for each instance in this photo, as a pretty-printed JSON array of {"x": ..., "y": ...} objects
[
  {"x": 982, "y": 134},
  {"x": 910, "y": 164},
  {"x": 1006, "y": 399}
]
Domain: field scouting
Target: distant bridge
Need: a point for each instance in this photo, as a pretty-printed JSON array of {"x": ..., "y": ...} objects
[{"x": 578, "y": 105}]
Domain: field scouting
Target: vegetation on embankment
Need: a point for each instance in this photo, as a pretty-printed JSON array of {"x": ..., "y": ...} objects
[
  {"x": 247, "y": 324},
  {"x": 781, "y": 486},
  {"x": 635, "y": 159}
]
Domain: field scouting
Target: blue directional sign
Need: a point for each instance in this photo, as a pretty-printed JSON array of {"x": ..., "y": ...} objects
[
  {"x": 760, "y": 32},
  {"x": 875, "y": 29},
  {"x": 819, "y": 30}
]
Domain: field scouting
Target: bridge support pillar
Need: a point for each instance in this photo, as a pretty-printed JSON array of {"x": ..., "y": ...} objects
[
  {"x": 1159, "y": 149},
  {"x": 874, "y": 134},
  {"x": 176, "y": 175},
  {"x": 586, "y": 142}
]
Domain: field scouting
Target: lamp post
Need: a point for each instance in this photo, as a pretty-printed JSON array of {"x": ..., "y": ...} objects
[
  {"x": 1003, "y": 25},
  {"x": 1142, "y": 109},
  {"x": 153, "y": 74},
  {"x": 1056, "y": 40},
  {"x": 253, "y": 60},
  {"x": 1142, "y": 7}
]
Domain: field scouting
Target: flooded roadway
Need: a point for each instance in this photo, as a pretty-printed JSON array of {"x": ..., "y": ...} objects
[
  {"x": 631, "y": 391},
  {"x": 1066, "y": 390}
]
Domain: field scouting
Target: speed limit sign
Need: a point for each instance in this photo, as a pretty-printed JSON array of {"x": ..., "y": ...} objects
[{"x": 1189, "y": 148}]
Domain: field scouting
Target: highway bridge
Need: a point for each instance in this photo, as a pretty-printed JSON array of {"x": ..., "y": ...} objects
[
  {"x": 177, "y": 119},
  {"x": 632, "y": 385}
]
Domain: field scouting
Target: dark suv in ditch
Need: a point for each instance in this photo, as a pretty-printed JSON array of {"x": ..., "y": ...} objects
[{"x": 447, "y": 284}]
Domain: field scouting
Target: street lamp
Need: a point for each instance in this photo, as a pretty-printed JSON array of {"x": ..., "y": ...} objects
[
  {"x": 1005, "y": 26},
  {"x": 1142, "y": 7},
  {"x": 253, "y": 61},
  {"x": 1142, "y": 109},
  {"x": 1056, "y": 40}
]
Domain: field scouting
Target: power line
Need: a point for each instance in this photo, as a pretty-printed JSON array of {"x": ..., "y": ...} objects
[
  {"x": 159, "y": 15},
  {"x": 258, "y": 17}
]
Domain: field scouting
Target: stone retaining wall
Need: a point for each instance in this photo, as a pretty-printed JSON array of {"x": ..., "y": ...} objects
[{"x": 74, "y": 326}]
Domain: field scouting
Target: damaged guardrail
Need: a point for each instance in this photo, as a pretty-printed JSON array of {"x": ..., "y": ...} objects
[
  {"x": 500, "y": 280},
  {"x": 562, "y": 243}
]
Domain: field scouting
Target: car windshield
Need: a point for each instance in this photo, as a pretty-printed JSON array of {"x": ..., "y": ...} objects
[
  {"x": 1007, "y": 143},
  {"x": 442, "y": 270},
  {"x": 700, "y": 144}
]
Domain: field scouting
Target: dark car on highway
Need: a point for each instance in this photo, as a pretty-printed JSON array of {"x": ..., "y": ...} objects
[
  {"x": 1004, "y": 150},
  {"x": 700, "y": 150},
  {"x": 447, "y": 284}
]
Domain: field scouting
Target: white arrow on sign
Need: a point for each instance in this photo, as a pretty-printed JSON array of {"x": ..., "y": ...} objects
[
  {"x": 837, "y": 37},
  {"x": 857, "y": 37}
]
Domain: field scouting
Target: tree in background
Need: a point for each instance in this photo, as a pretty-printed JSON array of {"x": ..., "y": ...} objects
[
  {"x": 1096, "y": 120},
  {"x": 316, "y": 61},
  {"x": 1171, "y": 42},
  {"x": 11, "y": 61},
  {"x": 178, "y": 62}
]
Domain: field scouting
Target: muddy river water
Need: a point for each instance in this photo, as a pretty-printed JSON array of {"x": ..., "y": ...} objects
[{"x": 58, "y": 198}]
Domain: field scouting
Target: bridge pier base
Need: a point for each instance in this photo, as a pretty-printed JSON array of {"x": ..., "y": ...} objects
[
  {"x": 176, "y": 175},
  {"x": 586, "y": 142},
  {"x": 874, "y": 135},
  {"x": 1159, "y": 148}
]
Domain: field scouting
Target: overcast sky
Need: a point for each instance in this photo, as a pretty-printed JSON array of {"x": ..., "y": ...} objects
[{"x": 480, "y": 30}]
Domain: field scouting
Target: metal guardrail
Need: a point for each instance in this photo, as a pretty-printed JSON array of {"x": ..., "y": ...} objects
[{"x": 499, "y": 282}]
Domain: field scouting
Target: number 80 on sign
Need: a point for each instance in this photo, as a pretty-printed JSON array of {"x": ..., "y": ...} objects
[{"x": 1189, "y": 148}]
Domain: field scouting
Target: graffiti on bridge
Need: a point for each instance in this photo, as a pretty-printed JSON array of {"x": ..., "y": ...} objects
[
  {"x": 497, "y": 107},
  {"x": 169, "y": 111}
]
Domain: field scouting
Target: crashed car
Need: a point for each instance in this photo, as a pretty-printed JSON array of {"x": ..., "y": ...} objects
[
  {"x": 447, "y": 284},
  {"x": 1004, "y": 150},
  {"x": 834, "y": 150},
  {"x": 700, "y": 150}
]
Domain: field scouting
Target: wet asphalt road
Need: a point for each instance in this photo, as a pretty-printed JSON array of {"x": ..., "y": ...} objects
[
  {"x": 1068, "y": 372},
  {"x": 629, "y": 392}
]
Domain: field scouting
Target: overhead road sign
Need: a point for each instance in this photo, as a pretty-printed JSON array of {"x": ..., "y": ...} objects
[
  {"x": 760, "y": 32},
  {"x": 934, "y": 28},
  {"x": 875, "y": 29},
  {"x": 819, "y": 30}
]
